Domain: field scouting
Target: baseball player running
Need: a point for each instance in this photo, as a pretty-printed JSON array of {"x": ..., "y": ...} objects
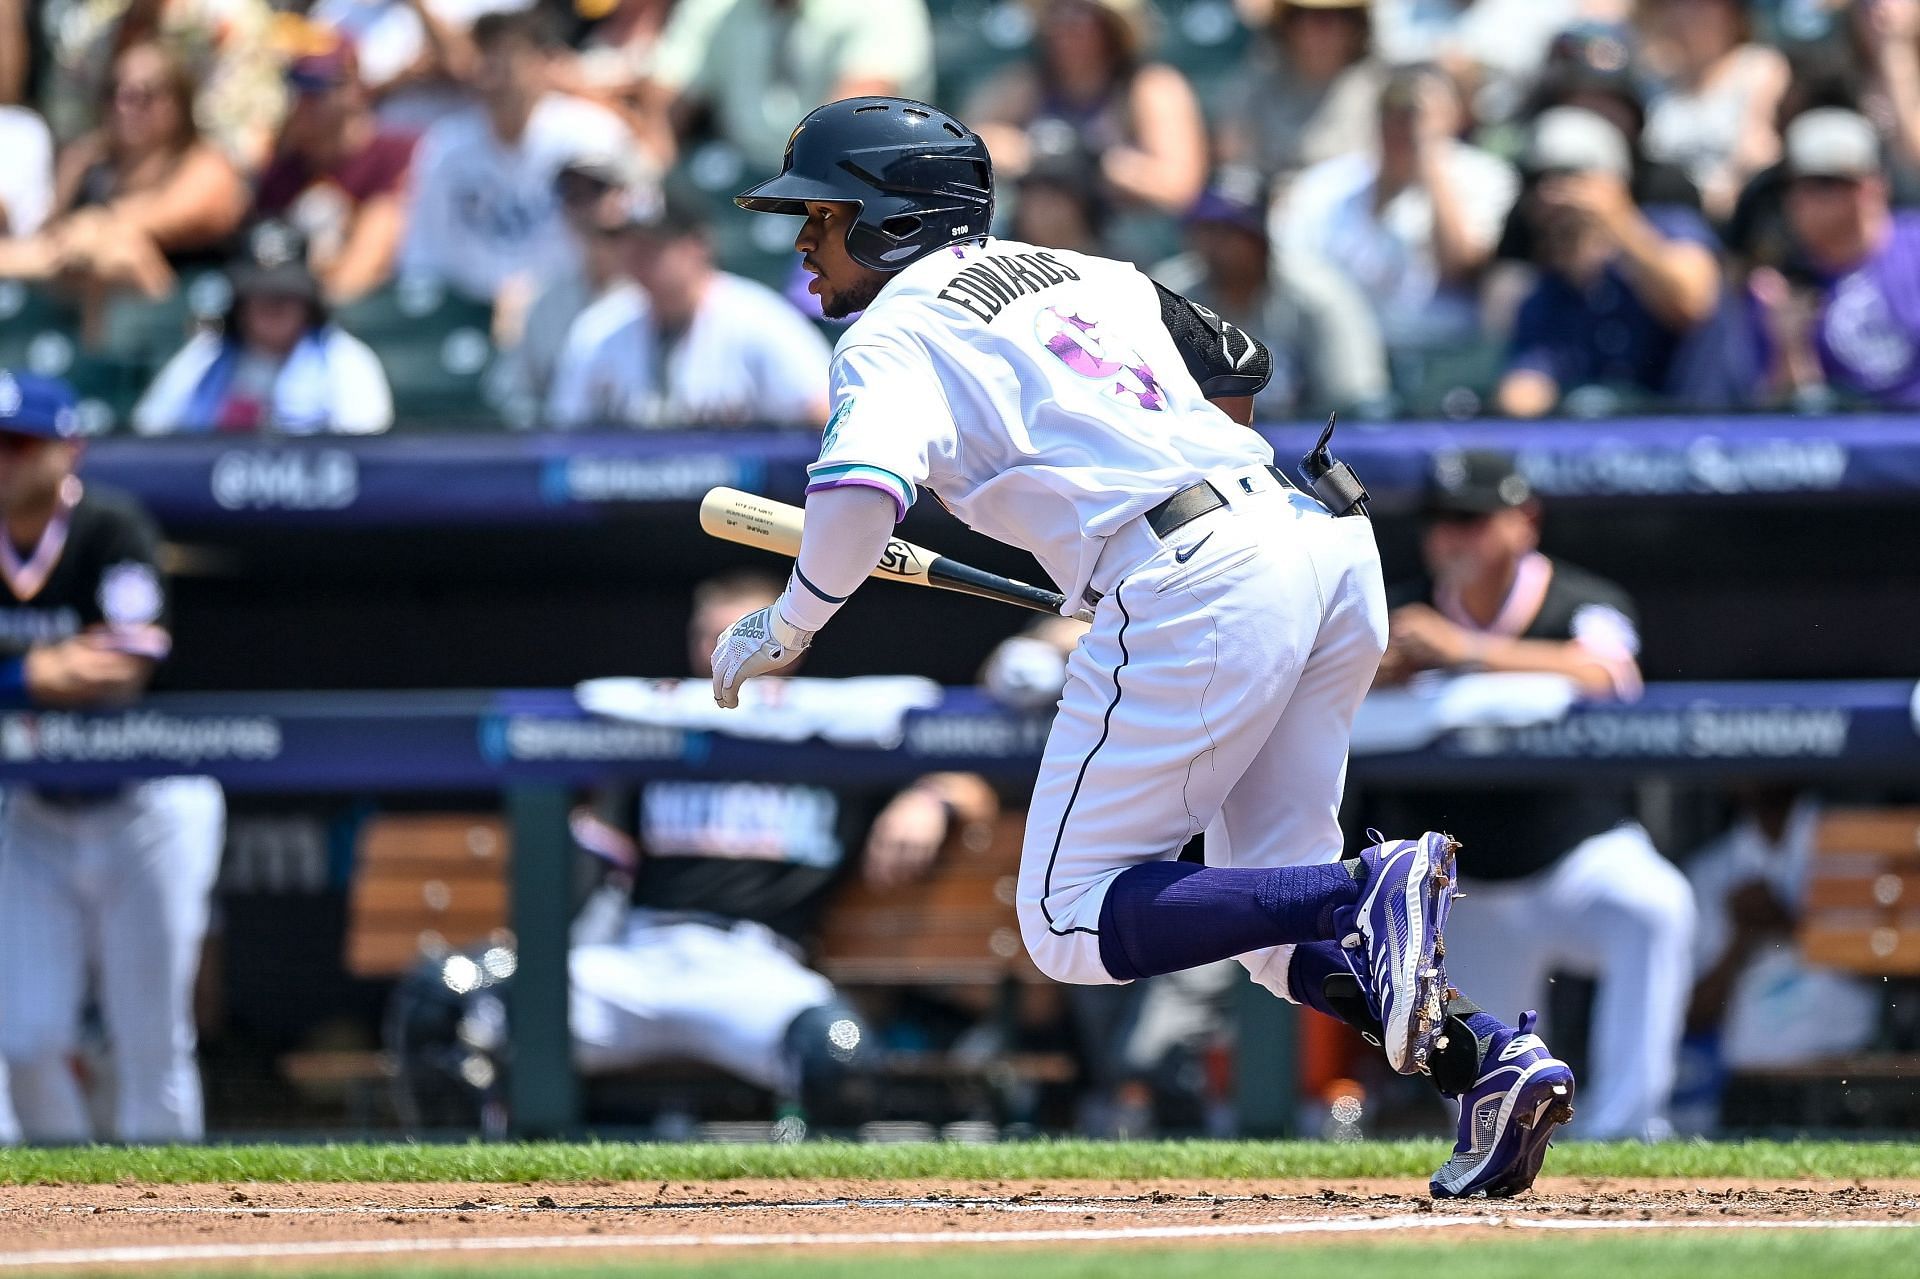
[{"x": 1068, "y": 405}]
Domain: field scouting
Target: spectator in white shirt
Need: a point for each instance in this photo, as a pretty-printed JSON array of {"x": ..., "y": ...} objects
[
  {"x": 686, "y": 344},
  {"x": 26, "y": 179},
  {"x": 762, "y": 64},
  {"x": 277, "y": 365},
  {"x": 1414, "y": 221},
  {"x": 485, "y": 219},
  {"x": 594, "y": 191}
]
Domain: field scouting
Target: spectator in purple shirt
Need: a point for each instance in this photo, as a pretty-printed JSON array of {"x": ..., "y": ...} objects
[
  {"x": 1863, "y": 317},
  {"x": 1630, "y": 298}
]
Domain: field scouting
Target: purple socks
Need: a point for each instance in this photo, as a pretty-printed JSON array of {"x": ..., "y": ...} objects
[
  {"x": 1162, "y": 917},
  {"x": 1307, "y": 975}
]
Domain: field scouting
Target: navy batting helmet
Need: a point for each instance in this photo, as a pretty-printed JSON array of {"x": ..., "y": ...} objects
[{"x": 921, "y": 179}]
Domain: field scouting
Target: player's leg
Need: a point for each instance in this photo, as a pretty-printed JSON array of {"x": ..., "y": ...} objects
[
  {"x": 43, "y": 973},
  {"x": 691, "y": 992},
  {"x": 1169, "y": 699},
  {"x": 163, "y": 852},
  {"x": 1285, "y": 809},
  {"x": 1627, "y": 913}
]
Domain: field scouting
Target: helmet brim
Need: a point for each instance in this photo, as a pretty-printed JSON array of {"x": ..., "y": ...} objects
[{"x": 791, "y": 193}]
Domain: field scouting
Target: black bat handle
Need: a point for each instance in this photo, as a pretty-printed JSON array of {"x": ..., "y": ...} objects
[{"x": 968, "y": 580}]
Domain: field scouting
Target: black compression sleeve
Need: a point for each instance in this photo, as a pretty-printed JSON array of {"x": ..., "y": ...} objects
[{"x": 1224, "y": 359}]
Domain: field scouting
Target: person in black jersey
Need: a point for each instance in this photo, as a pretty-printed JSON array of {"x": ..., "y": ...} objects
[
  {"x": 106, "y": 885},
  {"x": 1561, "y": 878},
  {"x": 704, "y": 959}
]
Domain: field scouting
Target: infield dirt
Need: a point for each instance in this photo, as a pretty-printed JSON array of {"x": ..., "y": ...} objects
[{"x": 46, "y": 1219}]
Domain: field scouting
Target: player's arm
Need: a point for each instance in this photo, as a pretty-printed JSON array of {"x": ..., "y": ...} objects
[
  {"x": 1600, "y": 658},
  {"x": 83, "y": 671},
  {"x": 910, "y": 831},
  {"x": 845, "y": 534},
  {"x": 889, "y": 423},
  {"x": 1230, "y": 364},
  {"x": 125, "y": 623}
]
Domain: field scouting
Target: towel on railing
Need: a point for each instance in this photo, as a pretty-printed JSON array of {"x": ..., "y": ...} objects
[{"x": 866, "y": 711}]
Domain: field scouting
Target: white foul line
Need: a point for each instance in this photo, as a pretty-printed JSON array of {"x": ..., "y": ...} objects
[{"x": 131, "y": 1255}]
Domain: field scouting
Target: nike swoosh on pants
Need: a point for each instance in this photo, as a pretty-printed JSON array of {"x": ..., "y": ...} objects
[{"x": 1181, "y": 557}]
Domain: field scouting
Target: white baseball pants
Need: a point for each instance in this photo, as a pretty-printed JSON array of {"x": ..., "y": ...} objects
[
  {"x": 685, "y": 991},
  {"x": 1612, "y": 909},
  {"x": 115, "y": 892},
  {"x": 1214, "y": 693}
]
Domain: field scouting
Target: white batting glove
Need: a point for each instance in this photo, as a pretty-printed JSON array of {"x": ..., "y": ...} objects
[{"x": 757, "y": 643}]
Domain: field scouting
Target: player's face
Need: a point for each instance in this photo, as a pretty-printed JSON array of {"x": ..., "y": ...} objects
[
  {"x": 1461, "y": 549},
  {"x": 32, "y": 469},
  {"x": 842, "y": 285}
]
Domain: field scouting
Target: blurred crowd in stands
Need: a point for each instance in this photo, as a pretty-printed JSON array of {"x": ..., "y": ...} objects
[{"x": 337, "y": 215}]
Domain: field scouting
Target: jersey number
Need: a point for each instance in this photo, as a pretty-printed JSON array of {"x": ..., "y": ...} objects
[{"x": 1079, "y": 345}]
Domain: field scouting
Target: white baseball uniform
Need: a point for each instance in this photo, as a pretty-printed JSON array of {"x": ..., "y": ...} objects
[
  {"x": 102, "y": 890},
  {"x": 111, "y": 893},
  {"x": 1040, "y": 395}
]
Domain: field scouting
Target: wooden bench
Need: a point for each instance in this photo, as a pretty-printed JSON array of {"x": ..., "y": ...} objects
[
  {"x": 1862, "y": 911},
  {"x": 423, "y": 884},
  {"x": 957, "y": 927},
  {"x": 428, "y": 883},
  {"x": 1861, "y": 915}
]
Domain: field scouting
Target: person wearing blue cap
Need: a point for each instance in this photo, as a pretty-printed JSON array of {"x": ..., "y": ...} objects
[{"x": 113, "y": 882}]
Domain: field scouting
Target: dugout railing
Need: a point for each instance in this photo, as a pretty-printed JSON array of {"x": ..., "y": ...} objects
[{"x": 534, "y": 748}]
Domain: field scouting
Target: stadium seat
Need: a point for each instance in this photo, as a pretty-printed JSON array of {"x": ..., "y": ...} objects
[
  {"x": 436, "y": 349},
  {"x": 974, "y": 39},
  {"x": 26, "y": 316},
  {"x": 146, "y": 332},
  {"x": 1452, "y": 382}
]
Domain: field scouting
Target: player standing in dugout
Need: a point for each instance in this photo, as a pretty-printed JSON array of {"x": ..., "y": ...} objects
[
  {"x": 1068, "y": 405},
  {"x": 105, "y": 883}
]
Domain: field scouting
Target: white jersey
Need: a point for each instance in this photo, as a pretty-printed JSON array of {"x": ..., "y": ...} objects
[
  {"x": 1035, "y": 391},
  {"x": 484, "y": 210},
  {"x": 747, "y": 356}
]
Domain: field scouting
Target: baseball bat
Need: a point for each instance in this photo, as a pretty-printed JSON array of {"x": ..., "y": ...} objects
[{"x": 734, "y": 516}]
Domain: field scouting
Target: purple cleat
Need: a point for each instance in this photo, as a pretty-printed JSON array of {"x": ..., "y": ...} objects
[
  {"x": 1399, "y": 919},
  {"x": 1507, "y": 1118}
]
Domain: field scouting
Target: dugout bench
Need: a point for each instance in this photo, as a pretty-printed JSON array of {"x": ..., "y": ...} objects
[
  {"x": 536, "y": 747},
  {"x": 1861, "y": 916}
]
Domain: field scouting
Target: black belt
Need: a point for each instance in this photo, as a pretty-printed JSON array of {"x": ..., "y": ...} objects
[
  {"x": 80, "y": 797},
  {"x": 1193, "y": 501}
]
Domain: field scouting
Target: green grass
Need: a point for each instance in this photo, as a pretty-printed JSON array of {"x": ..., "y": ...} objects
[
  {"x": 1867, "y": 1254},
  {"x": 1040, "y": 1160}
]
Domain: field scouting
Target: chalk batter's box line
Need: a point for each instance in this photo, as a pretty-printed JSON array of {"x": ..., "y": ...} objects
[{"x": 161, "y": 1254}]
